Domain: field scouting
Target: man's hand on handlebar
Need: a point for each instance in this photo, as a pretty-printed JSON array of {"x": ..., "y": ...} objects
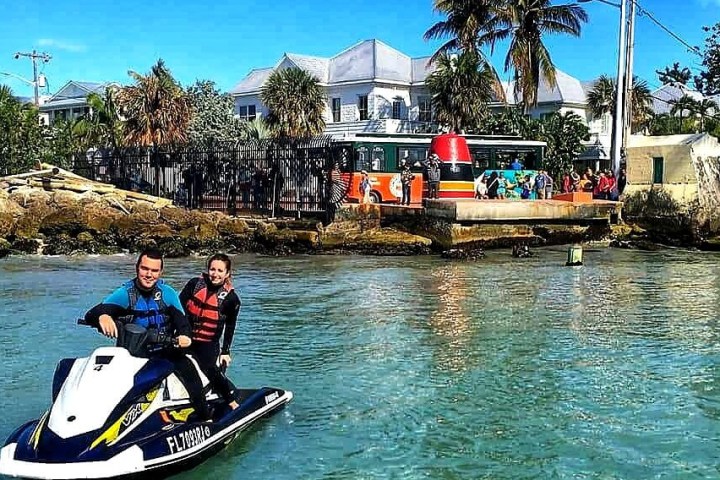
[
  {"x": 183, "y": 341},
  {"x": 108, "y": 327}
]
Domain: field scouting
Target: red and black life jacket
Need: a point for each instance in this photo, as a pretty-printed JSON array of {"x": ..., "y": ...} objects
[{"x": 204, "y": 308}]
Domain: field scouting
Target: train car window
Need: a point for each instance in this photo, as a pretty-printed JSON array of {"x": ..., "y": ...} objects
[
  {"x": 378, "y": 160},
  {"x": 416, "y": 156},
  {"x": 362, "y": 159}
]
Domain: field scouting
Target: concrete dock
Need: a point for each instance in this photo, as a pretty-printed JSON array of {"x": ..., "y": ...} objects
[{"x": 472, "y": 211}]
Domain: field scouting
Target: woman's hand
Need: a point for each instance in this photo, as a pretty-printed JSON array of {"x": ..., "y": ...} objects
[
  {"x": 225, "y": 359},
  {"x": 183, "y": 341}
]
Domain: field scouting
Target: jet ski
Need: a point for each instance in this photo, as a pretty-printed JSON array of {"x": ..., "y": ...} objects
[{"x": 115, "y": 414}]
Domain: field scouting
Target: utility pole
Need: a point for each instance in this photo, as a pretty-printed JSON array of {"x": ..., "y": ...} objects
[
  {"x": 629, "y": 79},
  {"x": 619, "y": 117},
  {"x": 35, "y": 56}
]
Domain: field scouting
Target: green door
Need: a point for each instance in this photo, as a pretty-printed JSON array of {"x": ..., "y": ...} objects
[{"x": 658, "y": 169}]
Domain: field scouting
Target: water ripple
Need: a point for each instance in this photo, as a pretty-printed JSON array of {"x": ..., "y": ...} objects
[{"x": 414, "y": 368}]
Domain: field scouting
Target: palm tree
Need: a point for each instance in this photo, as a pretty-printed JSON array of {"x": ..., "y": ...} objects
[
  {"x": 465, "y": 24},
  {"x": 104, "y": 119},
  {"x": 704, "y": 109},
  {"x": 524, "y": 23},
  {"x": 686, "y": 103},
  {"x": 254, "y": 130},
  {"x": 461, "y": 87},
  {"x": 296, "y": 103},
  {"x": 601, "y": 100},
  {"x": 156, "y": 108}
]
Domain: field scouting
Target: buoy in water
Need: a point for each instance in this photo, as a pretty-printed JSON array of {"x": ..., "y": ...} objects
[{"x": 574, "y": 256}]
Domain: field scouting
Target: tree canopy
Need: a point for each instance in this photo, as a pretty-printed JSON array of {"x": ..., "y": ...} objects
[{"x": 213, "y": 116}]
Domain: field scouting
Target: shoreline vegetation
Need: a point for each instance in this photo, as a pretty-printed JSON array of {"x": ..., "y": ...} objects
[{"x": 54, "y": 212}]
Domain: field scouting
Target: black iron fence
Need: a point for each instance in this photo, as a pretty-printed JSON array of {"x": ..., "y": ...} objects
[{"x": 269, "y": 177}]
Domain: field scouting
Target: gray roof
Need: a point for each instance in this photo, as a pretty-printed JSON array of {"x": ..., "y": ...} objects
[
  {"x": 369, "y": 60},
  {"x": 665, "y": 95},
  {"x": 253, "y": 81},
  {"x": 421, "y": 69},
  {"x": 567, "y": 90},
  {"x": 315, "y": 66},
  {"x": 73, "y": 93}
]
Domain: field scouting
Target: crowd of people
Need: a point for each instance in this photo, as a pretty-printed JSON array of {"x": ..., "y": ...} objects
[{"x": 602, "y": 184}]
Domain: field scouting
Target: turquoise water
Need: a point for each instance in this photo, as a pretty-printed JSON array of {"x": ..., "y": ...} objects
[{"x": 418, "y": 367}]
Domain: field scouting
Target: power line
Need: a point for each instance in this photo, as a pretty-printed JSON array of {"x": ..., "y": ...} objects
[{"x": 657, "y": 22}]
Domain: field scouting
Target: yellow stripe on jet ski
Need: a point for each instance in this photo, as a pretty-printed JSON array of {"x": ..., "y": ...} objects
[{"x": 35, "y": 438}]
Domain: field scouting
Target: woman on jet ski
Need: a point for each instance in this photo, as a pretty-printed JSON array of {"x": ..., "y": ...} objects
[{"x": 212, "y": 307}]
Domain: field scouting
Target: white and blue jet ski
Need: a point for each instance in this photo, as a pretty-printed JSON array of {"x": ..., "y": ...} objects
[{"x": 115, "y": 415}]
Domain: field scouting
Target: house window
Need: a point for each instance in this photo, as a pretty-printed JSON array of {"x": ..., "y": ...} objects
[
  {"x": 425, "y": 109},
  {"x": 397, "y": 108},
  {"x": 363, "y": 107},
  {"x": 247, "y": 112},
  {"x": 658, "y": 169},
  {"x": 335, "y": 109}
]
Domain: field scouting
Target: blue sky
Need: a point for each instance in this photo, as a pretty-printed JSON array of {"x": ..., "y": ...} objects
[{"x": 222, "y": 40}]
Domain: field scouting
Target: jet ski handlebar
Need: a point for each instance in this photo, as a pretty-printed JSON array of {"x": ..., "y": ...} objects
[{"x": 136, "y": 338}]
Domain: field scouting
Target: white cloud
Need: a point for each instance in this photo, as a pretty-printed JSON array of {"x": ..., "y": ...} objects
[{"x": 63, "y": 45}]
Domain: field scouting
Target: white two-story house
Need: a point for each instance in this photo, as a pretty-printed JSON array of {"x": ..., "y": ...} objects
[
  {"x": 370, "y": 87},
  {"x": 70, "y": 102}
]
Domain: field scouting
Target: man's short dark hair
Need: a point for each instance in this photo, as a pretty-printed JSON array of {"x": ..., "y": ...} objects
[{"x": 152, "y": 253}]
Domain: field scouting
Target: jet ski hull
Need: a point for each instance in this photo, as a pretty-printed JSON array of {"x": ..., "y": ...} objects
[{"x": 149, "y": 451}]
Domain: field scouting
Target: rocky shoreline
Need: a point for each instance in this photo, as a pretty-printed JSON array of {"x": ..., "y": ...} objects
[{"x": 60, "y": 222}]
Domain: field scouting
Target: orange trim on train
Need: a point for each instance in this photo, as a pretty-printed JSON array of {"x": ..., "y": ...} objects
[{"x": 386, "y": 187}]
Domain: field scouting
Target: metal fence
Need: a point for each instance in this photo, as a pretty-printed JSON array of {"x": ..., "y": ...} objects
[{"x": 268, "y": 177}]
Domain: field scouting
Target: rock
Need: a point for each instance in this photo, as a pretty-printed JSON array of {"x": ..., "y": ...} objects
[
  {"x": 62, "y": 244},
  {"x": 463, "y": 254},
  {"x": 5, "y": 247},
  {"x": 521, "y": 251},
  {"x": 26, "y": 197},
  {"x": 28, "y": 226},
  {"x": 379, "y": 241},
  {"x": 26, "y": 245},
  {"x": 229, "y": 226},
  {"x": 635, "y": 245},
  {"x": 7, "y": 224}
]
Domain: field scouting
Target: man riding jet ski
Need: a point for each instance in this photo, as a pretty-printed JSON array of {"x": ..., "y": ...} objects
[{"x": 125, "y": 411}]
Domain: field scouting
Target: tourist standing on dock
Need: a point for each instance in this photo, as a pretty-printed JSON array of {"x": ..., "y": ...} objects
[
  {"x": 566, "y": 186},
  {"x": 540, "y": 185},
  {"x": 575, "y": 178},
  {"x": 433, "y": 175},
  {"x": 365, "y": 187},
  {"x": 492, "y": 186},
  {"x": 613, "y": 194},
  {"x": 621, "y": 181},
  {"x": 406, "y": 178},
  {"x": 548, "y": 185},
  {"x": 502, "y": 186}
]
